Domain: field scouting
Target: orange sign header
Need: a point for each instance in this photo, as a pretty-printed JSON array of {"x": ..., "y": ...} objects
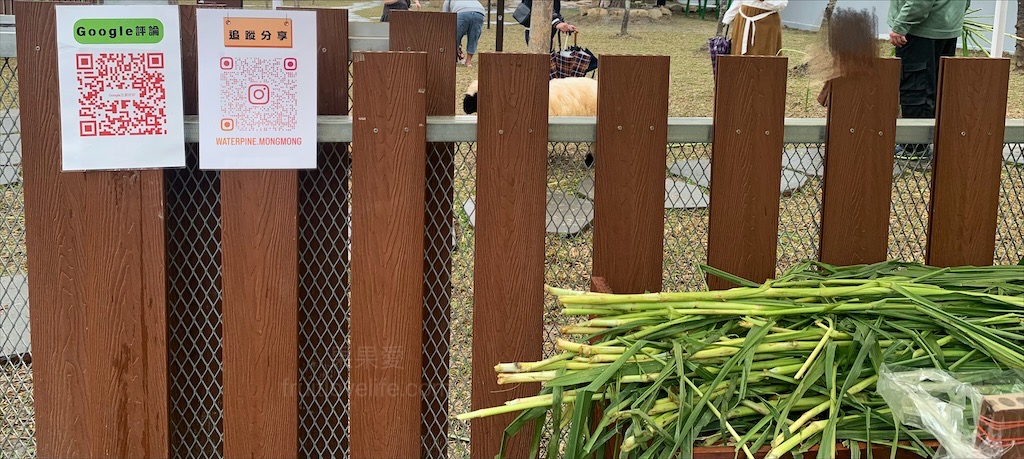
[{"x": 257, "y": 33}]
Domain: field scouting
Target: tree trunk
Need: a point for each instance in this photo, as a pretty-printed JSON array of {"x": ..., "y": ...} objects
[
  {"x": 625, "y": 21},
  {"x": 1020, "y": 33},
  {"x": 540, "y": 27},
  {"x": 718, "y": 10},
  {"x": 829, "y": 8},
  {"x": 616, "y": 4}
]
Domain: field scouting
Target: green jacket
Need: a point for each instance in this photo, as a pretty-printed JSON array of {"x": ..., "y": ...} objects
[{"x": 936, "y": 19}]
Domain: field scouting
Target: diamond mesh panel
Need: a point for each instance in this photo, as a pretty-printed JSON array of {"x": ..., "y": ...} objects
[
  {"x": 324, "y": 222},
  {"x": 459, "y": 356},
  {"x": 686, "y": 216},
  {"x": 17, "y": 426},
  {"x": 908, "y": 220},
  {"x": 194, "y": 308},
  {"x": 800, "y": 205},
  {"x": 1010, "y": 230}
]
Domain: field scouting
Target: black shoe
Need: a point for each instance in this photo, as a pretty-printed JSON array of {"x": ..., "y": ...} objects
[
  {"x": 589, "y": 160},
  {"x": 913, "y": 152}
]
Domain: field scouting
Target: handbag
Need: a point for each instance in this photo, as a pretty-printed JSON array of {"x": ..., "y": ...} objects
[
  {"x": 571, "y": 62},
  {"x": 522, "y": 14},
  {"x": 719, "y": 45}
]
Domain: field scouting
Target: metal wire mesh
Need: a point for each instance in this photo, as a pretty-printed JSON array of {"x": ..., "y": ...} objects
[
  {"x": 686, "y": 215},
  {"x": 17, "y": 426},
  {"x": 1010, "y": 229},
  {"x": 194, "y": 308},
  {"x": 324, "y": 223}
]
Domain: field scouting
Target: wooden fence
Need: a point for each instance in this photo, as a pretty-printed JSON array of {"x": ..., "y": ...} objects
[{"x": 105, "y": 277}]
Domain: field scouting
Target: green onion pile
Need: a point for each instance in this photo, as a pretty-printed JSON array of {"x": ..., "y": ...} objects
[{"x": 785, "y": 366}]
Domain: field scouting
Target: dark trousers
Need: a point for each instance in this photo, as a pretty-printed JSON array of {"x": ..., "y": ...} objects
[
  {"x": 385, "y": 15},
  {"x": 919, "y": 78},
  {"x": 920, "y": 74}
]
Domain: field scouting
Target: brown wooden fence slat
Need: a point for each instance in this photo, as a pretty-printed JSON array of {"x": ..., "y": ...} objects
[
  {"x": 98, "y": 319},
  {"x": 260, "y": 313},
  {"x": 970, "y": 124},
  {"x": 629, "y": 194},
  {"x": 857, "y": 183},
  {"x": 508, "y": 296},
  {"x": 389, "y": 135},
  {"x": 746, "y": 167},
  {"x": 433, "y": 33},
  {"x": 54, "y": 227}
]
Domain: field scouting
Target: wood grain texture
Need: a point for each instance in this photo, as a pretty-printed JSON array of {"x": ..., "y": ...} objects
[
  {"x": 323, "y": 255},
  {"x": 432, "y": 33},
  {"x": 260, "y": 313},
  {"x": 508, "y": 285},
  {"x": 98, "y": 288},
  {"x": 857, "y": 183},
  {"x": 389, "y": 130},
  {"x": 629, "y": 190},
  {"x": 966, "y": 170},
  {"x": 746, "y": 167}
]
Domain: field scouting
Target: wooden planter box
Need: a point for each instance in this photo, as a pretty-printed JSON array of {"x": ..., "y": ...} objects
[{"x": 842, "y": 452}]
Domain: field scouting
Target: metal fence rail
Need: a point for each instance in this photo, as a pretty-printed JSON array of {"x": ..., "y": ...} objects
[{"x": 193, "y": 211}]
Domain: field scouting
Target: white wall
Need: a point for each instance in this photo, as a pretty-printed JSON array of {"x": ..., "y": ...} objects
[{"x": 806, "y": 14}]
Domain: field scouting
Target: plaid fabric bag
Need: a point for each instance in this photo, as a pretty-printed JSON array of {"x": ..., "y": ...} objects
[
  {"x": 571, "y": 62},
  {"x": 719, "y": 45}
]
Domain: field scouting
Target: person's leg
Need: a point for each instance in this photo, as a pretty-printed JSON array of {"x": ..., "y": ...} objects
[
  {"x": 463, "y": 26},
  {"x": 917, "y": 84},
  {"x": 476, "y": 28}
]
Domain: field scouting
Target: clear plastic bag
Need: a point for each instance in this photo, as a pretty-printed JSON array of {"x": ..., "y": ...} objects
[{"x": 946, "y": 405}]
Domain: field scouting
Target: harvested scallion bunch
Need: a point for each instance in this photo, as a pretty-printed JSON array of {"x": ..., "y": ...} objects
[{"x": 786, "y": 365}]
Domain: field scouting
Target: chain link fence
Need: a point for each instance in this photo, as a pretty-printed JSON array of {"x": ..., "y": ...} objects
[{"x": 194, "y": 273}]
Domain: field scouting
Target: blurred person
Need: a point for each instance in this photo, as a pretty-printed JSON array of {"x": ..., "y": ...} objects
[
  {"x": 390, "y": 5},
  {"x": 758, "y": 26},
  {"x": 470, "y": 15}
]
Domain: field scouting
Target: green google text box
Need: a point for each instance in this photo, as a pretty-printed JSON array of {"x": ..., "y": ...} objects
[{"x": 124, "y": 31}]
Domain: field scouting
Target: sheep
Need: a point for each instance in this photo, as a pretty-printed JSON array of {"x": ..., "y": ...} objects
[{"x": 566, "y": 97}]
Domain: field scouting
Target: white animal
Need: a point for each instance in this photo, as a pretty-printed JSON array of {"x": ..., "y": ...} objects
[{"x": 566, "y": 97}]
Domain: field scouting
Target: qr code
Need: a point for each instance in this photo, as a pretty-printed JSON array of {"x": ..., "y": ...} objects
[
  {"x": 258, "y": 94},
  {"x": 121, "y": 94}
]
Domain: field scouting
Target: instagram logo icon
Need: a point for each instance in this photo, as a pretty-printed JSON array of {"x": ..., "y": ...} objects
[
  {"x": 259, "y": 94},
  {"x": 291, "y": 64}
]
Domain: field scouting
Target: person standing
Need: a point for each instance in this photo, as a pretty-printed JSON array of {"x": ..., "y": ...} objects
[
  {"x": 758, "y": 28},
  {"x": 470, "y": 14},
  {"x": 391, "y": 5},
  {"x": 923, "y": 31}
]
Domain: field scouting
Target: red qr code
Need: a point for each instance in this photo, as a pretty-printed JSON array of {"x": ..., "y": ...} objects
[
  {"x": 259, "y": 94},
  {"x": 121, "y": 94}
]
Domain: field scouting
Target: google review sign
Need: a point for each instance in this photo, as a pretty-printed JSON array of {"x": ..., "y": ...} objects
[{"x": 119, "y": 31}]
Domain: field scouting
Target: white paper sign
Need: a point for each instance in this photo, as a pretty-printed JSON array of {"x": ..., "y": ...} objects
[
  {"x": 257, "y": 89},
  {"x": 120, "y": 87}
]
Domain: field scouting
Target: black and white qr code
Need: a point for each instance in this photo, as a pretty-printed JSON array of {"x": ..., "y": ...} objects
[
  {"x": 258, "y": 94},
  {"x": 121, "y": 94}
]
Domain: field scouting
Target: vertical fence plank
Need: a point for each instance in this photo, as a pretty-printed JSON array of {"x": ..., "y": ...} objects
[
  {"x": 433, "y": 33},
  {"x": 389, "y": 133},
  {"x": 54, "y": 227},
  {"x": 970, "y": 124},
  {"x": 746, "y": 167},
  {"x": 323, "y": 258},
  {"x": 508, "y": 296},
  {"x": 260, "y": 319},
  {"x": 98, "y": 286},
  {"x": 857, "y": 185},
  {"x": 629, "y": 194}
]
